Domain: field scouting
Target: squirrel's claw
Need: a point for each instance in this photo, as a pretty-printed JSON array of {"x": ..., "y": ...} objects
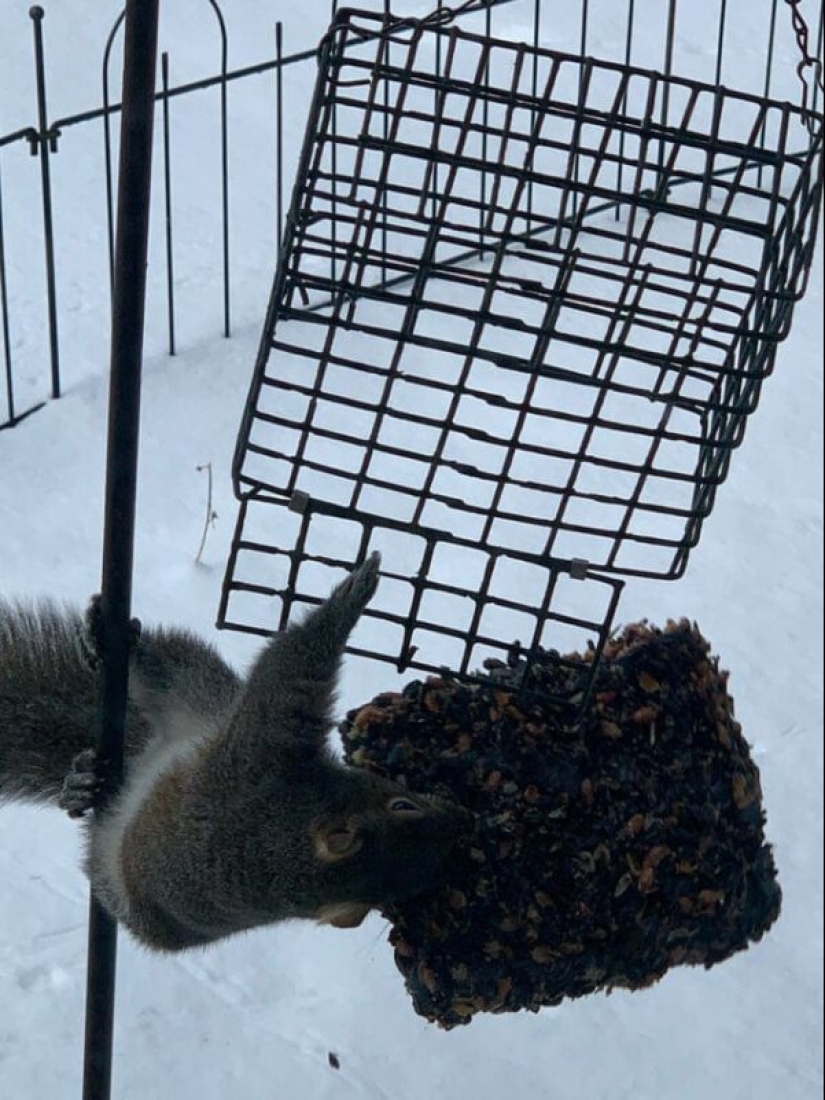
[
  {"x": 81, "y": 786},
  {"x": 359, "y": 587},
  {"x": 90, "y": 639}
]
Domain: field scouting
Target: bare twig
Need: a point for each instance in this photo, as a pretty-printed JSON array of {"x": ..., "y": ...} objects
[{"x": 211, "y": 514}]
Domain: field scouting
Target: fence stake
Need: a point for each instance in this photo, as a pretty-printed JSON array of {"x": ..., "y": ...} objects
[
  {"x": 279, "y": 125},
  {"x": 4, "y": 315},
  {"x": 227, "y": 323},
  {"x": 107, "y": 150},
  {"x": 47, "y": 144},
  {"x": 131, "y": 246},
  {"x": 167, "y": 199}
]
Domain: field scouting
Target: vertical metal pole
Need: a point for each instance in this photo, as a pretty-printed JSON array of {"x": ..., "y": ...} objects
[
  {"x": 46, "y": 145},
  {"x": 670, "y": 46},
  {"x": 333, "y": 222},
  {"x": 581, "y": 104},
  {"x": 227, "y": 320},
  {"x": 131, "y": 248},
  {"x": 768, "y": 82},
  {"x": 227, "y": 305},
  {"x": 485, "y": 125},
  {"x": 535, "y": 93},
  {"x": 437, "y": 95},
  {"x": 167, "y": 200},
  {"x": 628, "y": 57},
  {"x": 720, "y": 44},
  {"x": 107, "y": 152},
  {"x": 770, "y": 51},
  {"x": 4, "y": 315},
  {"x": 385, "y": 196},
  {"x": 279, "y": 124}
]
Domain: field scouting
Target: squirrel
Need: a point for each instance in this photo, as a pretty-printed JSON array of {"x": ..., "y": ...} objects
[{"x": 234, "y": 812}]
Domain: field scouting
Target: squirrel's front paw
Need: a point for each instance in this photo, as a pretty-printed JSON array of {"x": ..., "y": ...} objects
[
  {"x": 90, "y": 640},
  {"x": 359, "y": 587},
  {"x": 90, "y": 636},
  {"x": 81, "y": 786}
]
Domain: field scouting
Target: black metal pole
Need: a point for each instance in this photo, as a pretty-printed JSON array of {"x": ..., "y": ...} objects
[
  {"x": 47, "y": 144},
  {"x": 4, "y": 319},
  {"x": 167, "y": 199},
  {"x": 107, "y": 152},
  {"x": 131, "y": 248},
  {"x": 279, "y": 144},
  {"x": 227, "y": 319}
]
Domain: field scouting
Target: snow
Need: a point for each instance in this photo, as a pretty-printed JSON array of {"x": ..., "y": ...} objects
[{"x": 259, "y": 1015}]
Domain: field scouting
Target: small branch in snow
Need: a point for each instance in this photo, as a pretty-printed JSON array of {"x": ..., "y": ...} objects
[{"x": 211, "y": 514}]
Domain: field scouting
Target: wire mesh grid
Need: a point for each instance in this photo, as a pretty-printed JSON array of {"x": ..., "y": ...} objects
[{"x": 525, "y": 305}]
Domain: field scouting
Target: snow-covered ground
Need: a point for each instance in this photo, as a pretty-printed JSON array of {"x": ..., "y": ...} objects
[{"x": 257, "y": 1017}]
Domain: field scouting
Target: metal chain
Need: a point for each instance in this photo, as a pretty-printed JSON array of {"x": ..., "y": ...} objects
[{"x": 809, "y": 62}]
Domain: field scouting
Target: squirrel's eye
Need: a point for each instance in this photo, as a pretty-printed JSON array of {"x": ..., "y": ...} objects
[{"x": 404, "y": 806}]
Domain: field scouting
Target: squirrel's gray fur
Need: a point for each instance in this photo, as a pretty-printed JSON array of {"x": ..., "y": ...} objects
[{"x": 234, "y": 812}]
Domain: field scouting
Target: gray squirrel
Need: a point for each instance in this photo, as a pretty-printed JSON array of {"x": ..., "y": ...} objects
[{"x": 234, "y": 813}]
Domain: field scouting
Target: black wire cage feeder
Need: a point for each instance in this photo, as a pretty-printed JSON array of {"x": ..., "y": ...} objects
[{"x": 525, "y": 306}]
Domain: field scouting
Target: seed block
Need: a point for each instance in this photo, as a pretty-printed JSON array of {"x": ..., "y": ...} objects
[{"x": 607, "y": 848}]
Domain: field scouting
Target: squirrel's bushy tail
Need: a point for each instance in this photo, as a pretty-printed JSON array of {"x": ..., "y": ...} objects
[{"x": 48, "y": 699}]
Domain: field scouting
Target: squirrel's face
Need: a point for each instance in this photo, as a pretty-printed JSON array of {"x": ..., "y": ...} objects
[{"x": 383, "y": 844}]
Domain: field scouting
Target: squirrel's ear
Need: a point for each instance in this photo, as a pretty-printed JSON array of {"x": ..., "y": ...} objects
[
  {"x": 334, "y": 842},
  {"x": 343, "y": 914}
]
